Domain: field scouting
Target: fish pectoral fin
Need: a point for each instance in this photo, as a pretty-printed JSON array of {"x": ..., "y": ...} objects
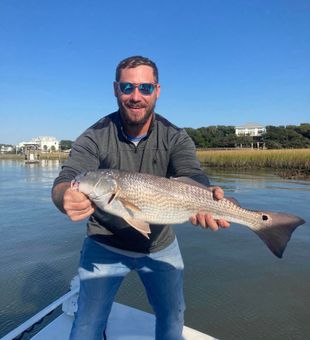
[
  {"x": 130, "y": 206},
  {"x": 139, "y": 225}
]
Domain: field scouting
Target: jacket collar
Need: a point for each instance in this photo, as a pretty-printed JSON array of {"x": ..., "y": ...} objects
[{"x": 120, "y": 125}]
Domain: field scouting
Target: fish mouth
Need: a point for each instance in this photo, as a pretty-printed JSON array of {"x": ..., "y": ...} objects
[{"x": 75, "y": 184}]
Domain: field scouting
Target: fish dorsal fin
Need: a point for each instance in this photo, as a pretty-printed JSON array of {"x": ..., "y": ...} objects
[
  {"x": 129, "y": 205},
  {"x": 139, "y": 225},
  {"x": 190, "y": 181},
  {"x": 233, "y": 200}
]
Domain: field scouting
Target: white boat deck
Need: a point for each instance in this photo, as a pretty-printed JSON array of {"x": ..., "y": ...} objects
[{"x": 125, "y": 323}]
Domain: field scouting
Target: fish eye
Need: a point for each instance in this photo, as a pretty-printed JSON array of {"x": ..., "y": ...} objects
[{"x": 265, "y": 218}]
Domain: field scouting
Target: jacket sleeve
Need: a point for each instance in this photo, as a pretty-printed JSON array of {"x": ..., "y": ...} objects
[
  {"x": 183, "y": 160},
  {"x": 84, "y": 156}
]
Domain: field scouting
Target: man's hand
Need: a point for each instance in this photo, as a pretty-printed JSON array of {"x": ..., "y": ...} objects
[
  {"x": 205, "y": 220},
  {"x": 76, "y": 205},
  {"x": 71, "y": 202}
]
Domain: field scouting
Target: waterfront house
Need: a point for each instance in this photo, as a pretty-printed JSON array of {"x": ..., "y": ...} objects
[
  {"x": 42, "y": 143},
  {"x": 250, "y": 129},
  {"x": 6, "y": 149}
]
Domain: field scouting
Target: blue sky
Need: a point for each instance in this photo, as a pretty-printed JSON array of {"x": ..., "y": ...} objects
[{"x": 220, "y": 62}]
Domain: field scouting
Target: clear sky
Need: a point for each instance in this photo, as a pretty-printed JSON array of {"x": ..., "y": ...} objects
[{"x": 221, "y": 62}]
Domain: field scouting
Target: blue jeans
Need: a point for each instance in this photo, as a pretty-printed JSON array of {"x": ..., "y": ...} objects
[{"x": 102, "y": 271}]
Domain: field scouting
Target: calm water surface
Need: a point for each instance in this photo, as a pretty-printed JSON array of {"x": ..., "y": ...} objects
[{"x": 235, "y": 288}]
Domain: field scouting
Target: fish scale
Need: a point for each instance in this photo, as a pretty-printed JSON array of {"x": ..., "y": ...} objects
[{"x": 168, "y": 194}]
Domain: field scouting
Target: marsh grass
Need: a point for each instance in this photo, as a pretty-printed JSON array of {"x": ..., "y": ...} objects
[
  {"x": 43, "y": 155},
  {"x": 293, "y": 163},
  {"x": 286, "y": 162}
]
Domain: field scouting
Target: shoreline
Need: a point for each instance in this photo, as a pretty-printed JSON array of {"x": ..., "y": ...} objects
[
  {"x": 42, "y": 156},
  {"x": 287, "y": 163}
]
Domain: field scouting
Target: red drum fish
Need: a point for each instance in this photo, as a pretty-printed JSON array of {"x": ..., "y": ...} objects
[{"x": 143, "y": 199}]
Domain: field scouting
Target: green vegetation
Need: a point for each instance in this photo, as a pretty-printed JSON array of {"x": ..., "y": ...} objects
[
  {"x": 66, "y": 144},
  {"x": 276, "y": 137},
  {"x": 290, "y": 136}
]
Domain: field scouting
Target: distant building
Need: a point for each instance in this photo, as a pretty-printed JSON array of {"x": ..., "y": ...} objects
[
  {"x": 250, "y": 129},
  {"x": 42, "y": 143},
  {"x": 6, "y": 148}
]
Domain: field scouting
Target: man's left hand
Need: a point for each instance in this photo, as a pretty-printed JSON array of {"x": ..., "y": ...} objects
[{"x": 205, "y": 220}]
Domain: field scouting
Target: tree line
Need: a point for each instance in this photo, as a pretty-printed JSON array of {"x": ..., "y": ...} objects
[
  {"x": 276, "y": 137},
  {"x": 221, "y": 136},
  {"x": 65, "y": 144}
]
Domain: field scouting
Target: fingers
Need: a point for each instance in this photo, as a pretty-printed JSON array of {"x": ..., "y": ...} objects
[
  {"x": 213, "y": 225},
  {"x": 218, "y": 192},
  {"x": 223, "y": 223},
  {"x": 77, "y": 206},
  {"x": 79, "y": 215},
  {"x": 205, "y": 220}
]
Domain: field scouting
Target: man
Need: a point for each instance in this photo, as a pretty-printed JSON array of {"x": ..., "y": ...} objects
[{"x": 134, "y": 139}]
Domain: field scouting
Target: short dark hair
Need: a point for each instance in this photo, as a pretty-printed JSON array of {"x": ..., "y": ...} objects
[{"x": 135, "y": 61}]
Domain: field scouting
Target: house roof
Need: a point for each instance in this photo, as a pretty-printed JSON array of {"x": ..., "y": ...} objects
[{"x": 249, "y": 126}]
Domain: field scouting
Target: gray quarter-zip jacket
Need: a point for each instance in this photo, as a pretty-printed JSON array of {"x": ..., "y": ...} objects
[{"x": 165, "y": 151}]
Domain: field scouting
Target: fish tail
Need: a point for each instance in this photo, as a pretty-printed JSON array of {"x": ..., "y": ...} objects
[{"x": 277, "y": 234}]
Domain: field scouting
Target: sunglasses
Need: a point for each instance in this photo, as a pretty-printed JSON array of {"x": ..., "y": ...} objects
[{"x": 145, "y": 89}]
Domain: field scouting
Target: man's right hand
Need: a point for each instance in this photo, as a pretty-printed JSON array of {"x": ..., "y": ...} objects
[
  {"x": 71, "y": 202},
  {"x": 76, "y": 205}
]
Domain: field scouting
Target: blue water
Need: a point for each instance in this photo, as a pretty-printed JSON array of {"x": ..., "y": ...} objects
[{"x": 235, "y": 288}]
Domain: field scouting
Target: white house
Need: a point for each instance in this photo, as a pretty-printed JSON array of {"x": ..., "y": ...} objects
[
  {"x": 250, "y": 129},
  {"x": 43, "y": 143},
  {"x": 6, "y": 148}
]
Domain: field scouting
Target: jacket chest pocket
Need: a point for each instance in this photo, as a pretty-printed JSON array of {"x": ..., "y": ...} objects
[
  {"x": 126, "y": 160},
  {"x": 152, "y": 161},
  {"x": 110, "y": 161},
  {"x": 157, "y": 162}
]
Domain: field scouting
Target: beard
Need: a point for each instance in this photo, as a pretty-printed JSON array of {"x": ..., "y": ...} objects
[{"x": 131, "y": 119}]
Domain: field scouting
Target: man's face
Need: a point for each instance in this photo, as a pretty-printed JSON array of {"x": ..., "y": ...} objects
[{"x": 136, "y": 109}]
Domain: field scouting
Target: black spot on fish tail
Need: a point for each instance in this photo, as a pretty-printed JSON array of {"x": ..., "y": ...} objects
[{"x": 277, "y": 234}]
